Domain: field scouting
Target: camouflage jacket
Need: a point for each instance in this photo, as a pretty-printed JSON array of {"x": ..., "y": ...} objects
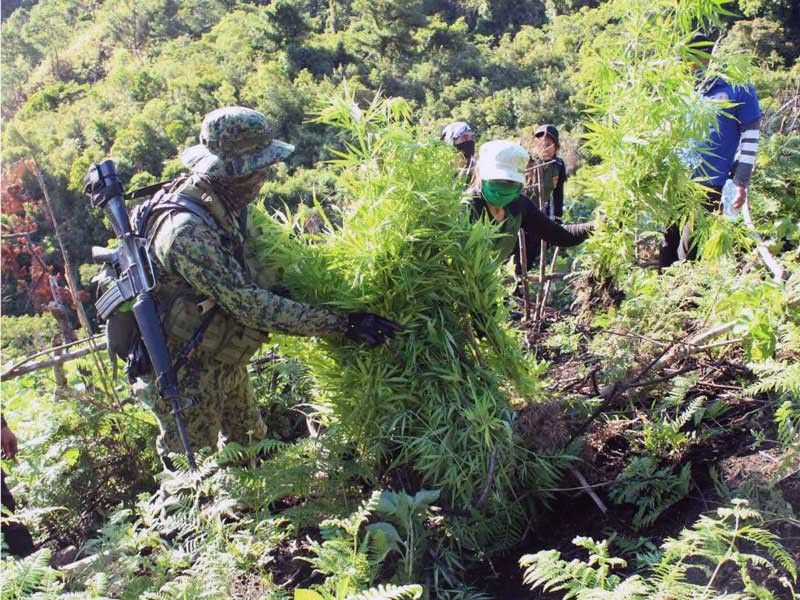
[{"x": 198, "y": 262}]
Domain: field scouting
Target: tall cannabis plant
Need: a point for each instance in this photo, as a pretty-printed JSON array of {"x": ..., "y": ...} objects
[
  {"x": 436, "y": 399},
  {"x": 638, "y": 80}
]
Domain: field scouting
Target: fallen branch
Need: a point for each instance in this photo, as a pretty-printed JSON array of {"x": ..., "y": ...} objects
[
  {"x": 15, "y": 372},
  {"x": 588, "y": 489},
  {"x": 692, "y": 345},
  {"x": 82, "y": 564},
  {"x": 54, "y": 349},
  {"x": 668, "y": 356},
  {"x": 770, "y": 261}
]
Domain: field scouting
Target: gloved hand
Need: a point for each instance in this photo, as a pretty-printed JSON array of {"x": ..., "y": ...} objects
[
  {"x": 370, "y": 329},
  {"x": 281, "y": 290}
]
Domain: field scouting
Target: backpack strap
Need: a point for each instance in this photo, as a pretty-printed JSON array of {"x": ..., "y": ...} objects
[
  {"x": 189, "y": 204},
  {"x": 147, "y": 190}
]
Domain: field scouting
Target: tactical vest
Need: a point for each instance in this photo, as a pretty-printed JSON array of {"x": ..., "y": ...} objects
[
  {"x": 188, "y": 317},
  {"x": 194, "y": 325}
]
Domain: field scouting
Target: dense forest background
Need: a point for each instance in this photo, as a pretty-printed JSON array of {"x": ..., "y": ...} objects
[
  {"x": 697, "y": 461},
  {"x": 132, "y": 80}
]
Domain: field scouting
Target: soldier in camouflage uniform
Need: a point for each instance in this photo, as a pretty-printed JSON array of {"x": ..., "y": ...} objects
[{"x": 205, "y": 260}]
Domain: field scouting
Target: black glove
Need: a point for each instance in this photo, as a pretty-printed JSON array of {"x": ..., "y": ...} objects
[
  {"x": 370, "y": 329},
  {"x": 281, "y": 290}
]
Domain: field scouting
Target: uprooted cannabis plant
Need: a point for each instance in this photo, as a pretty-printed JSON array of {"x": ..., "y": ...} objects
[{"x": 436, "y": 403}]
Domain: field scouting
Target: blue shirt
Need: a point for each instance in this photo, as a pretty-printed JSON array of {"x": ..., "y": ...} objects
[{"x": 723, "y": 141}]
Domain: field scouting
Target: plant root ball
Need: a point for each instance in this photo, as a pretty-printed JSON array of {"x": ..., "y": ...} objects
[{"x": 543, "y": 426}]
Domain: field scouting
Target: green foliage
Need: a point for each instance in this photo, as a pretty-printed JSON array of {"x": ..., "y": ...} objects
[
  {"x": 25, "y": 335},
  {"x": 410, "y": 537},
  {"x": 546, "y": 570},
  {"x": 344, "y": 555},
  {"x": 650, "y": 488},
  {"x": 351, "y": 560},
  {"x": 777, "y": 187},
  {"x": 23, "y": 578},
  {"x": 637, "y": 80},
  {"x": 391, "y": 592},
  {"x": 438, "y": 399},
  {"x": 84, "y": 448},
  {"x": 133, "y": 79},
  {"x": 689, "y": 566}
]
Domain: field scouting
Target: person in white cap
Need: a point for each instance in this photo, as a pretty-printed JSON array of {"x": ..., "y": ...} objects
[
  {"x": 498, "y": 196},
  {"x": 461, "y": 136}
]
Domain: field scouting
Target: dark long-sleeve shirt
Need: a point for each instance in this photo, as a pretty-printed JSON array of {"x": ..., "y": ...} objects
[{"x": 522, "y": 213}]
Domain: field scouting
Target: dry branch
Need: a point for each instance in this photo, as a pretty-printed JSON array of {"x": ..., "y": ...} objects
[
  {"x": 53, "y": 350},
  {"x": 770, "y": 261},
  {"x": 18, "y": 371},
  {"x": 587, "y": 488},
  {"x": 692, "y": 345}
]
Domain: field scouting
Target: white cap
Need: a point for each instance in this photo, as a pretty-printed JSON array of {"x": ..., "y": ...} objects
[
  {"x": 502, "y": 160},
  {"x": 457, "y": 132}
]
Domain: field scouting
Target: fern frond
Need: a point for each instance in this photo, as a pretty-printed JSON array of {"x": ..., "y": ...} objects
[{"x": 391, "y": 592}]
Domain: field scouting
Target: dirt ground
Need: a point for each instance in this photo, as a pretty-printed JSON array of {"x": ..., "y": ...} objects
[{"x": 742, "y": 464}]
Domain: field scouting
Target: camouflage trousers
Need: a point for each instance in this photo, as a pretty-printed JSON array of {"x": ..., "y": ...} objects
[{"x": 224, "y": 407}]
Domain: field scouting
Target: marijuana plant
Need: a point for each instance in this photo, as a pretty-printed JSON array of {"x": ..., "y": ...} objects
[
  {"x": 637, "y": 80},
  {"x": 437, "y": 399}
]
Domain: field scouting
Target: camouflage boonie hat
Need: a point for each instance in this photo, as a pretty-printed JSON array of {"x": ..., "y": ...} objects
[{"x": 234, "y": 142}]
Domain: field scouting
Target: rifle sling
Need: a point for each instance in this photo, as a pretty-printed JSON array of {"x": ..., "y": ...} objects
[{"x": 186, "y": 352}]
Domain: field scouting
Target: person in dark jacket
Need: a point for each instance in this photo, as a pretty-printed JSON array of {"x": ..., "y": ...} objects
[
  {"x": 461, "y": 136},
  {"x": 544, "y": 184},
  {"x": 499, "y": 196},
  {"x": 16, "y": 535}
]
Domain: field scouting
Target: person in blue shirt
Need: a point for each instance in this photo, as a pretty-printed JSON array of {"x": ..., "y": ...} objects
[{"x": 729, "y": 151}]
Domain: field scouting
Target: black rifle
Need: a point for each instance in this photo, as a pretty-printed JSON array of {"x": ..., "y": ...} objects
[{"x": 135, "y": 281}]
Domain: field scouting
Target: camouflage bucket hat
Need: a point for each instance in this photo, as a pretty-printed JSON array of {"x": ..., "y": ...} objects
[{"x": 234, "y": 142}]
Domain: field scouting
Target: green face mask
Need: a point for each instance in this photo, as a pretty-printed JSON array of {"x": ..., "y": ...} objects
[{"x": 500, "y": 193}]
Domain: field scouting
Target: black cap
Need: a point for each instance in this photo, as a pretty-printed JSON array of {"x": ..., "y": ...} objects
[{"x": 547, "y": 130}]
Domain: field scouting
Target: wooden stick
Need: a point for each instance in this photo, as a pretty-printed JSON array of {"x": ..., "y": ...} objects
[
  {"x": 50, "y": 362},
  {"x": 587, "y": 488},
  {"x": 523, "y": 267},
  {"x": 693, "y": 344},
  {"x": 535, "y": 278},
  {"x": 83, "y": 563},
  {"x": 73, "y": 285},
  {"x": 550, "y": 279},
  {"x": 772, "y": 263},
  {"x": 542, "y": 258},
  {"x": 27, "y": 359}
]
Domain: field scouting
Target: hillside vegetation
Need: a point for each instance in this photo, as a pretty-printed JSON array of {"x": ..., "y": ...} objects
[{"x": 639, "y": 440}]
